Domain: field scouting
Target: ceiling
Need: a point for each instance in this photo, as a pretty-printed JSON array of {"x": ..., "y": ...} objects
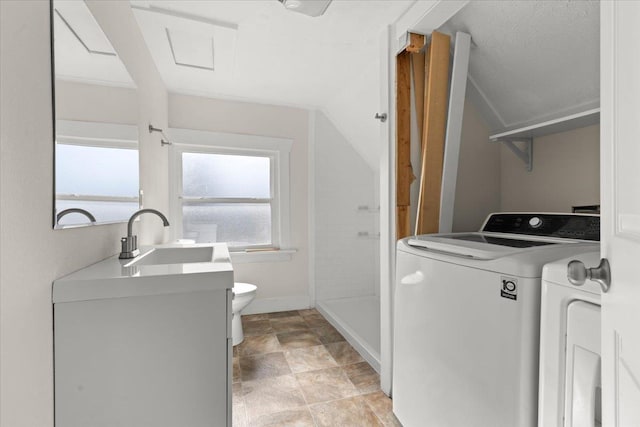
[
  {"x": 83, "y": 52},
  {"x": 263, "y": 52},
  {"x": 252, "y": 50},
  {"x": 531, "y": 61}
]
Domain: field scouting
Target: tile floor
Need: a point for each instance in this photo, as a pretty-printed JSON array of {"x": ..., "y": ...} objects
[{"x": 295, "y": 369}]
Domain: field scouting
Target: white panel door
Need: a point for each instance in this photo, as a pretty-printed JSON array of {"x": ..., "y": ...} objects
[{"x": 620, "y": 188}]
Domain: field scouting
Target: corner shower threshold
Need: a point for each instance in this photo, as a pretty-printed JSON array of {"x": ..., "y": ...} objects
[{"x": 331, "y": 309}]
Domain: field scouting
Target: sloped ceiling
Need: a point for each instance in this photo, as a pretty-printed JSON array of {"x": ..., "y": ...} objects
[
  {"x": 267, "y": 54},
  {"x": 83, "y": 52},
  {"x": 531, "y": 61},
  {"x": 277, "y": 56}
]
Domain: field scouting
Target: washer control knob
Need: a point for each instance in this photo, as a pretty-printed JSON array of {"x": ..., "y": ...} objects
[{"x": 535, "y": 222}]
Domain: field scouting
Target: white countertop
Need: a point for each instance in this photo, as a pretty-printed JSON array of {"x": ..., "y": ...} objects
[{"x": 111, "y": 278}]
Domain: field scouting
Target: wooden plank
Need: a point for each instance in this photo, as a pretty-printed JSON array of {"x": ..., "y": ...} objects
[
  {"x": 425, "y": 17},
  {"x": 418, "y": 68},
  {"x": 435, "y": 116},
  {"x": 403, "y": 221},
  {"x": 427, "y": 56},
  {"x": 404, "y": 172},
  {"x": 418, "y": 75},
  {"x": 415, "y": 43},
  {"x": 454, "y": 130}
]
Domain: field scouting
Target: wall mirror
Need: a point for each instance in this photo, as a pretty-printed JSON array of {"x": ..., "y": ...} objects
[{"x": 96, "y": 130}]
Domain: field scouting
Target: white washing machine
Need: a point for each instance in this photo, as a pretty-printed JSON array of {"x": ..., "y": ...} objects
[
  {"x": 467, "y": 318},
  {"x": 570, "y": 381}
]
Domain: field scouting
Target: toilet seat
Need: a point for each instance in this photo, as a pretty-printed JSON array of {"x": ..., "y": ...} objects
[
  {"x": 240, "y": 288},
  {"x": 243, "y": 294}
]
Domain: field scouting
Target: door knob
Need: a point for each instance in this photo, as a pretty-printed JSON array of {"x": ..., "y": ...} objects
[
  {"x": 382, "y": 117},
  {"x": 577, "y": 274}
]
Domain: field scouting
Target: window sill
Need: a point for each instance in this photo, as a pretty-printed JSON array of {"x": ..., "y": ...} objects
[{"x": 243, "y": 257}]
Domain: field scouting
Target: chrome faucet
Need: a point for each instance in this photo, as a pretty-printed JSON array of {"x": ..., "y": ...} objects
[
  {"x": 130, "y": 243},
  {"x": 75, "y": 210}
]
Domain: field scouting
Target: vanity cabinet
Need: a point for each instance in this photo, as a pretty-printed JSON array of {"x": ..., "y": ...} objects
[{"x": 147, "y": 350}]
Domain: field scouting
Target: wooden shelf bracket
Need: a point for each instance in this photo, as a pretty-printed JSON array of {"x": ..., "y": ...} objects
[{"x": 525, "y": 154}]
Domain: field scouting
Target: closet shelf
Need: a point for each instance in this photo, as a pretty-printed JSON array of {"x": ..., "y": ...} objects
[
  {"x": 526, "y": 134},
  {"x": 573, "y": 121}
]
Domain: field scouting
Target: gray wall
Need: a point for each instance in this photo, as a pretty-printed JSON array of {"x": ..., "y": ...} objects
[
  {"x": 566, "y": 172},
  {"x": 478, "y": 185}
]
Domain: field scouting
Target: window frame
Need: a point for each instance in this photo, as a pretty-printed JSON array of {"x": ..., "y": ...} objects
[
  {"x": 205, "y": 142},
  {"x": 96, "y": 135}
]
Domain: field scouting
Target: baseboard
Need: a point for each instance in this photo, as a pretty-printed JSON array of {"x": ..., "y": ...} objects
[
  {"x": 272, "y": 305},
  {"x": 342, "y": 293},
  {"x": 360, "y": 345}
]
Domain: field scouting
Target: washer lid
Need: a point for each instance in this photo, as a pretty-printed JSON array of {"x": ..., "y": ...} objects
[{"x": 479, "y": 245}]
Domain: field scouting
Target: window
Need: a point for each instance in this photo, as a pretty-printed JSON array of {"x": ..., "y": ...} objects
[
  {"x": 231, "y": 188},
  {"x": 96, "y": 170}
]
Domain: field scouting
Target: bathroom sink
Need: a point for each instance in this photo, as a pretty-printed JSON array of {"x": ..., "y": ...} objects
[
  {"x": 174, "y": 255},
  {"x": 147, "y": 330},
  {"x": 158, "y": 270}
]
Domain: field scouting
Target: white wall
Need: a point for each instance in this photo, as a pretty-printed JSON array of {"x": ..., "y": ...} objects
[
  {"x": 117, "y": 21},
  {"x": 95, "y": 103},
  {"x": 32, "y": 254},
  {"x": 352, "y": 112},
  {"x": 345, "y": 264},
  {"x": 282, "y": 284},
  {"x": 566, "y": 173}
]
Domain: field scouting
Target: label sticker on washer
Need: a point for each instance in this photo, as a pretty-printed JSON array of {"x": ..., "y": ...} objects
[{"x": 509, "y": 287}]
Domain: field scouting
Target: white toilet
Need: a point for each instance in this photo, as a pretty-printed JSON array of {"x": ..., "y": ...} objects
[
  {"x": 243, "y": 294},
  {"x": 570, "y": 385}
]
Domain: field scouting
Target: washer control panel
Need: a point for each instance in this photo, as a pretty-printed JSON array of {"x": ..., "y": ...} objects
[
  {"x": 535, "y": 222},
  {"x": 567, "y": 226}
]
